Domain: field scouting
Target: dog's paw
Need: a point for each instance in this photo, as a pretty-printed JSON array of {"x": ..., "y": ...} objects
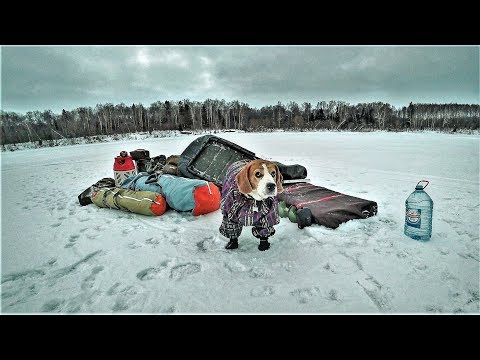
[
  {"x": 232, "y": 244},
  {"x": 264, "y": 245}
]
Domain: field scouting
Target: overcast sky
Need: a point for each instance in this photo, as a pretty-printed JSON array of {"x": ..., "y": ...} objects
[{"x": 67, "y": 77}]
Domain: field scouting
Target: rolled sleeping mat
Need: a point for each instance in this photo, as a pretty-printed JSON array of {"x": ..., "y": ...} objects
[{"x": 139, "y": 202}]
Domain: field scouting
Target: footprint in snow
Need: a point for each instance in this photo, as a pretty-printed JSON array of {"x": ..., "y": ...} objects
[
  {"x": 201, "y": 245},
  {"x": 180, "y": 272},
  {"x": 333, "y": 295},
  {"x": 170, "y": 310},
  {"x": 305, "y": 295},
  {"x": 127, "y": 298},
  {"x": 355, "y": 259},
  {"x": 447, "y": 276},
  {"x": 260, "y": 272},
  {"x": 89, "y": 281},
  {"x": 121, "y": 304},
  {"x": 175, "y": 241},
  {"x": 206, "y": 244},
  {"x": 134, "y": 245},
  {"x": 235, "y": 266},
  {"x": 54, "y": 305},
  {"x": 152, "y": 241},
  {"x": 378, "y": 293},
  {"x": 328, "y": 267},
  {"x": 153, "y": 272},
  {"x": 178, "y": 230},
  {"x": 434, "y": 309},
  {"x": 113, "y": 289},
  {"x": 52, "y": 261},
  {"x": 288, "y": 265},
  {"x": 262, "y": 291},
  {"x": 73, "y": 238}
]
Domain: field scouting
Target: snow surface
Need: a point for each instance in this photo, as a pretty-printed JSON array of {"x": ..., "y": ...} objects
[{"x": 60, "y": 257}]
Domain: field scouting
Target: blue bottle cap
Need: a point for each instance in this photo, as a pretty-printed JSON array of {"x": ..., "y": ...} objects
[{"x": 419, "y": 187}]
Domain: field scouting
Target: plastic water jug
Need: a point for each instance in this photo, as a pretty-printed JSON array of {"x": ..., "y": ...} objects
[
  {"x": 123, "y": 168},
  {"x": 418, "y": 213}
]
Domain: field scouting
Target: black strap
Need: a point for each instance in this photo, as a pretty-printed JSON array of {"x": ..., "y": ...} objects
[{"x": 119, "y": 207}]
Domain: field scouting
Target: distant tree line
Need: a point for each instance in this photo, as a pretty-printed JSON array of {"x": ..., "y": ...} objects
[{"x": 109, "y": 119}]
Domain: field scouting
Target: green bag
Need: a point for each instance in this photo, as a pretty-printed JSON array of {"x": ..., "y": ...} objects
[{"x": 139, "y": 202}]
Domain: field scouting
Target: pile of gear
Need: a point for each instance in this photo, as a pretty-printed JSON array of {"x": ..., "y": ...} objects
[{"x": 192, "y": 181}]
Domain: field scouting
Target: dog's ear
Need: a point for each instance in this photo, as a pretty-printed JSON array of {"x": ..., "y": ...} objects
[
  {"x": 243, "y": 181},
  {"x": 279, "y": 180}
]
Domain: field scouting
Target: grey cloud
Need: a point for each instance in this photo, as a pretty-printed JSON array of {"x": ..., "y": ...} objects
[{"x": 56, "y": 77}]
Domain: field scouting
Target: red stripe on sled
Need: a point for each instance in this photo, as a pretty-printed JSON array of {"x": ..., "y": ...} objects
[
  {"x": 297, "y": 187},
  {"x": 317, "y": 200}
]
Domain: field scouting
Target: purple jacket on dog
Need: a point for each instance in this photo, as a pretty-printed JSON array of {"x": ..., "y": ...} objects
[{"x": 240, "y": 210}]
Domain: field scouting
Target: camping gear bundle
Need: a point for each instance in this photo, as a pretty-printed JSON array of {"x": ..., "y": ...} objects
[
  {"x": 155, "y": 188},
  {"x": 192, "y": 182},
  {"x": 181, "y": 194}
]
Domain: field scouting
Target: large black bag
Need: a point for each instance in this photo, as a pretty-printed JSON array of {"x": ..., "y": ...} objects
[{"x": 292, "y": 172}]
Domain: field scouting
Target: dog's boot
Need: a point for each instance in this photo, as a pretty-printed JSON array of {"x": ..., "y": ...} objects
[
  {"x": 264, "y": 244},
  {"x": 232, "y": 244}
]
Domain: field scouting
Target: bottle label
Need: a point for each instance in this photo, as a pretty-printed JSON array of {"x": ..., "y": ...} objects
[{"x": 412, "y": 217}]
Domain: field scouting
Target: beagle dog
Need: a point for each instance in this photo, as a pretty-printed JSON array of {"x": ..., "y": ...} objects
[
  {"x": 249, "y": 199},
  {"x": 260, "y": 179}
]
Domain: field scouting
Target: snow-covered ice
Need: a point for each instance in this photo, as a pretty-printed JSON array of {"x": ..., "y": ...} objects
[{"x": 60, "y": 257}]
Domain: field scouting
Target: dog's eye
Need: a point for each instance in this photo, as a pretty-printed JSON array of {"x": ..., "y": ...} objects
[
  {"x": 273, "y": 174},
  {"x": 258, "y": 174}
]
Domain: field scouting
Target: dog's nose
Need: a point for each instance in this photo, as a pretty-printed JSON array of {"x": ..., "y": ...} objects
[{"x": 271, "y": 186}]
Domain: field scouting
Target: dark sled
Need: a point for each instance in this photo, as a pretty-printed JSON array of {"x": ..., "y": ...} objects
[
  {"x": 319, "y": 205},
  {"x": 208, "y": 157}
]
